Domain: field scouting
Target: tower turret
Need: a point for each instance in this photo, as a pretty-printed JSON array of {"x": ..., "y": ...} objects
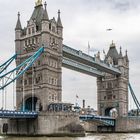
[
  {"x": 59, "y": 25},
  {"x": 112, "y": 54},
  {"x": 45, "y": 14},
  {"x": 45, "y": 25},
  {"x": 18, "y": 25},
  {"x": 18, "y": 32},
  {"x": 126, "y": 56},
  {"x": 120, "y": 59},
  {"x": 120, "y": 55}
]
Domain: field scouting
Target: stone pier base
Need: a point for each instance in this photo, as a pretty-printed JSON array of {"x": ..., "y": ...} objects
[
  {"x": 122, "y": 125},
  {"x": 128, "y": 124},
  {"x": 47, "y": 123}
]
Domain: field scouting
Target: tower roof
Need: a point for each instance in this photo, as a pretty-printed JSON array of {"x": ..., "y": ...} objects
[
  {"x": 45, "y": 13},
  {"x": 120, "y": 55},
  {"x": 126, "y": 56},
  {"x": 113, "y": 53},
  {"x": 59, "y": 23},
  {"x": 37, "y": 13},
  {"x": 18, "y": 25}
]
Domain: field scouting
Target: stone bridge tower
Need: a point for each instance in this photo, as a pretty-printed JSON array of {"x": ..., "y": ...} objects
[
  {"x": 41, "y": 84},
  {"x": 113, "y": 89}
]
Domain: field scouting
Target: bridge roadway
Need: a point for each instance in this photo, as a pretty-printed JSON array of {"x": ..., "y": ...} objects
[
  {"x": 8, "y": 114},
  {"x": 79, "y": 61}
]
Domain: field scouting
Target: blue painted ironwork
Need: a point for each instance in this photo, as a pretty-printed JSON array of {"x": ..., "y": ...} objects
[
  {"x": 18, "y": 114},
  {"x": 83, "y": 58},
  {"x": 7, "y": 78},
  {"x": 107, "y": 121},
  {"x": 7, "y": 63},
  {"x": 74, "y": 65}
]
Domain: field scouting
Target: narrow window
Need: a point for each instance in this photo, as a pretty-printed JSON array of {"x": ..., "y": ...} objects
[
  {"x": 33, "y": 30},
  {"x": 29, "y": 31}
]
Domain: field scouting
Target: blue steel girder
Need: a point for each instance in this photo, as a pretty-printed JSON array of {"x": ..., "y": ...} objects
[
  {"x": 74, "y": 65},
  {"x": 7, "y": 63},
  {"x": 8, "y": 77},
  {"x": 107, "y": 121},
  {"x": 81, "y": 57}
]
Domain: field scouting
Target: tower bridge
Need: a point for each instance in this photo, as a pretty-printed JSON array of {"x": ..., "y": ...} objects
[{"x": 40, "y": 56}]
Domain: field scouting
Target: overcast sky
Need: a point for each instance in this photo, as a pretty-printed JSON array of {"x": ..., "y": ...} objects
[{"x": 84, "y": 21}]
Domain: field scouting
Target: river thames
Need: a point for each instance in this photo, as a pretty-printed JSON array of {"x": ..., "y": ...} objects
[{"x": 120, "y": 136}]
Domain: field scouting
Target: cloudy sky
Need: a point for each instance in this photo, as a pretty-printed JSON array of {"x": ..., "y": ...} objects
[{"x": 84, "y": 21}]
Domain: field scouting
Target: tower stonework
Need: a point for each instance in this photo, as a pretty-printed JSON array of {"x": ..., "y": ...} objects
[
  {"x": 112, "y": 90},
  {"x": 41, "y": 84}
]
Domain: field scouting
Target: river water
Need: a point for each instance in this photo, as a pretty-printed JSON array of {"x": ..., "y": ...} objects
[{"x": 129, "y": 136}]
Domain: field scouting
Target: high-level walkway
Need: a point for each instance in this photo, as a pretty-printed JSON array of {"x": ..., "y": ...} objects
[{"x": 79, "y": 61}]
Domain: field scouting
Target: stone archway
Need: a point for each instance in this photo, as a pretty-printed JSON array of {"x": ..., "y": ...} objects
[
  {"x": 107, "y": 111},
  {"x": 111, "y": 111},
  {"x": 32, "y": 104}
]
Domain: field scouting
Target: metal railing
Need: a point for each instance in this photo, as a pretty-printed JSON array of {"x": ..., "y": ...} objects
[{"x": 18, "y": 114}]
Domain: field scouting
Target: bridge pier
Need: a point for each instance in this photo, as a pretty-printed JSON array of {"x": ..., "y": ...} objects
[
  {"x": 128, "y": 124},
  {"x": 47, "y": 124},
  {"x": 101, "y": 129},
  {"x": 122, "y": 125}
]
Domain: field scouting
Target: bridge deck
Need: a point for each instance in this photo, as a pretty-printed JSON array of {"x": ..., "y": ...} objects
[
  {"x": 18, "y": 114},
  {"x": 104, "y": 120}
]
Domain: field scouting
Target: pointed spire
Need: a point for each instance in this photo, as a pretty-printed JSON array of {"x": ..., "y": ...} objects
[
  {"x": 45, "y": 14},
  {"x": 18, "y": 25},
  {"x": 112, "y": 44},
  {"x": 126, "y": 56},
  {"x": 120, "y": 55},
  {"x": 59, "y": 23},
  {"x": 45, "y": 5}
]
